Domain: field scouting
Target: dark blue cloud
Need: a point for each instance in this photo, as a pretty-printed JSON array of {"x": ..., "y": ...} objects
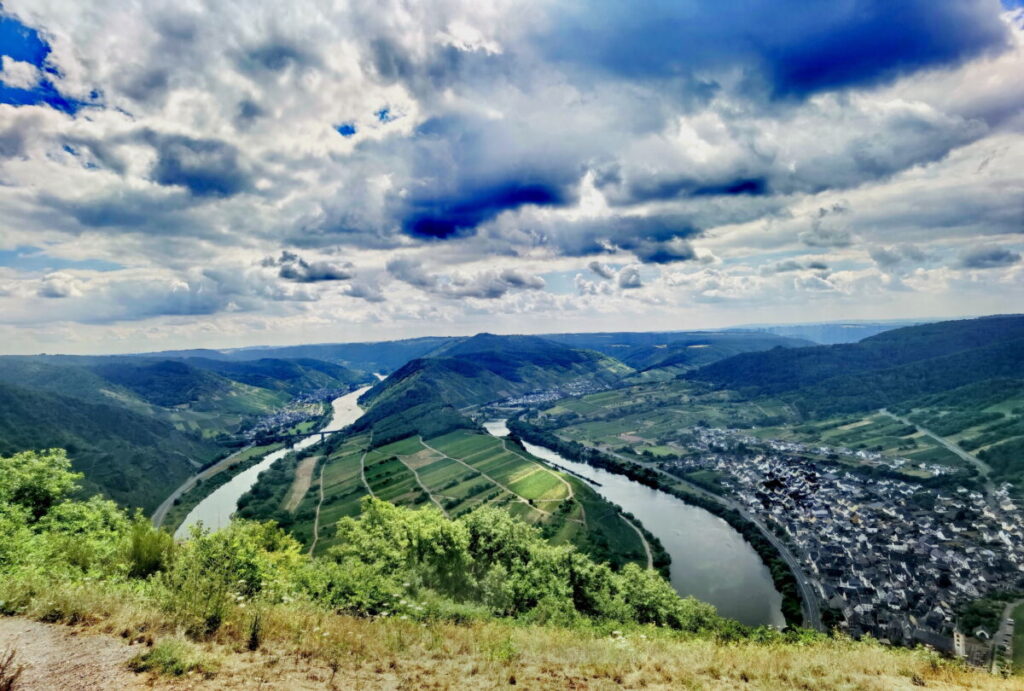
[
  {"x": 798, "y": 47},
  {"x": 988, "y": 257},
  {"x": 443, "y": 217},
  {"x": 205, "y": 167}
]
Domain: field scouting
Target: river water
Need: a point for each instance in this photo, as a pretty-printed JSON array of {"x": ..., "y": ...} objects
[
  {"x": 215, "y": 510},
  {"x": 710, "y": 559}
]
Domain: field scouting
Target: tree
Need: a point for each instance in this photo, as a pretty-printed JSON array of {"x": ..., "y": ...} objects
[{"x": 36, "y": 480}]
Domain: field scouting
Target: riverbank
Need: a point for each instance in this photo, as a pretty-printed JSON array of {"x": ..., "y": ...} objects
[
  {"x": 207, "y": 482},
  {"x": 215, "y": 510},
  {"x": 782, "y": 576}
]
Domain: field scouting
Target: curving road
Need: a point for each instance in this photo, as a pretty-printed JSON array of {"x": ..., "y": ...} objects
[
  {"x": 809, "y": 602},
  {"x": 161, "y": 511},
  {"x": 984, "y": 469}
]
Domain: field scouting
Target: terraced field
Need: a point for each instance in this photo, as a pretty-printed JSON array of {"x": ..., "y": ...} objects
[{"x": 459, "y": 472}]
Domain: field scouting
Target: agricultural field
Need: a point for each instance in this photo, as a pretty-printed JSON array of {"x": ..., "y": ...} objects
[
  {"x": 657, "y": 417},
  {"x": 871, "y": 432},
  {"x": 456, "y": 473}
]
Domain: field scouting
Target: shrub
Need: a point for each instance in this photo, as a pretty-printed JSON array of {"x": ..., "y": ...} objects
[{"x": 149, "y": 550}]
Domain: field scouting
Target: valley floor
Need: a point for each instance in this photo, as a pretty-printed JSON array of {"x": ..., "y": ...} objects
[{"x": 352, "y": 653}]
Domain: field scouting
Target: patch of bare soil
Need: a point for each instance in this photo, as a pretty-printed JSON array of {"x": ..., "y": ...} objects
[
  {"x": 65, "y": 658},
  {"x": 300, "y": 484}
]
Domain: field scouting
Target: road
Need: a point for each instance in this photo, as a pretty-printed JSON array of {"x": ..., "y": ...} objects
[
  {"x": 1003, "y": 638},
  {"x": 161, "y": 511},
  {"x": 809, "y": 603},
  {"x": 983, "y": 468}
]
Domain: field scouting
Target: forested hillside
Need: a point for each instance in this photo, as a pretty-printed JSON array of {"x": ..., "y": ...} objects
[
  {"x": 425, "y": 394},
  {"x": 134, "y": 459},
  {"x": 887, "y": 369},
  {"x": 137, "y": 427}
]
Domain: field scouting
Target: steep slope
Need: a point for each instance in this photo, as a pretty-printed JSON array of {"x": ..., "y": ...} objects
[
  {"x": 131, "y": 458},
  {"x": 137, "y": 427},
  {"x": 488, "y": 368}
]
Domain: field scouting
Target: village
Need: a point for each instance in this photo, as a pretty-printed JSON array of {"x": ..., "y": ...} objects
[{"x": 893, "y": 558}]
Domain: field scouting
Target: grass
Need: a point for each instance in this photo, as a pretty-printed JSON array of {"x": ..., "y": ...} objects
[
  {"x": 305, "y": 647},
  {"x": 1018, "y": 638},
  {"x": 534, "y": 491},
  {"x": 175, "y": 657}
]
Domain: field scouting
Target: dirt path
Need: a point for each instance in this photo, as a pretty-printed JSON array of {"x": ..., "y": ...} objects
[
  {"x": 362, "y": 472},
  {"x": 301, "y": 482},
  {"x": 66, "y": 658},
  {"x": 316, "y": 517},
  {"x": 640, "y": 534},
  {"x": 568, "y": 487}
]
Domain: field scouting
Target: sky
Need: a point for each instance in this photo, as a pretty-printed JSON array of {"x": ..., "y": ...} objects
[{"x": 218, "y": 173}]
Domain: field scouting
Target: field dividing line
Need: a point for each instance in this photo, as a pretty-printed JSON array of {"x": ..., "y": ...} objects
[
  {"x": 316, "y": 518},
  {"x": 518, "y": 496},
  {"x": 422, "y": 486},
  {"x": 572, "y": 494},
  {"x": 362, "y": 467}
]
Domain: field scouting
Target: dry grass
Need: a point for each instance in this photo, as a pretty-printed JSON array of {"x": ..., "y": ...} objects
[{"x": 305, "y": 647}]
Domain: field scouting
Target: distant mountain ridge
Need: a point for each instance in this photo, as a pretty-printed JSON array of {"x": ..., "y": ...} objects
[{"x": 885, "y": 369}]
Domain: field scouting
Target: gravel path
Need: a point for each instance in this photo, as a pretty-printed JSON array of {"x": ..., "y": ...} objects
[{"x": 68, "y": 659}]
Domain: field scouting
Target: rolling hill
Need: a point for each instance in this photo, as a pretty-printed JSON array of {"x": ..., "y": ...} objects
[
  {"x": 426, "y": 394},
  {"x": 137, "y": 427},
  {"x": 686, "y": 349},
  {"x": 888, "y": 369}
]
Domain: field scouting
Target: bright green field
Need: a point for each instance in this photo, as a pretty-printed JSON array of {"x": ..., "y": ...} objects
[{"x": 460, "y": 472}]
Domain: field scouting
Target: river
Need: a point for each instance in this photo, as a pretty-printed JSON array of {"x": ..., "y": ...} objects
[
  {"x": 215, "y": 510},
  {"x": 710, "y": 560}
]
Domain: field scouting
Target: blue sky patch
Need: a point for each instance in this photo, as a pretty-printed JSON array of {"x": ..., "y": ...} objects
[
  {"x": 21, "y": 42},
  {"x": 29, "y": 258},
  {"x": 346, "y": 129}
]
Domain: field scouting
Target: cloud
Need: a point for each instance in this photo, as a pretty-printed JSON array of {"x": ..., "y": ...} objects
[
  {"x": 492, "y": 144},
  {"x": 17, "y": 74},
  {"x": 205, "y": 167},
  {"x": 629, "y": 278},
  {"x": 795, "y": 49},
  {"x": 58, "y": 285},
  {"x": 602, "y": 270},
  {"x": 292, "y": 267},
  {"x": 988, "y": 257},
  {"x": 365, "y": 291},
  {"x": 487, "y": 285}
]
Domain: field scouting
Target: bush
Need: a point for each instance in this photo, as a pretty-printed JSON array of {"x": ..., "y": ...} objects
[{"x": 149, "y": 550}]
